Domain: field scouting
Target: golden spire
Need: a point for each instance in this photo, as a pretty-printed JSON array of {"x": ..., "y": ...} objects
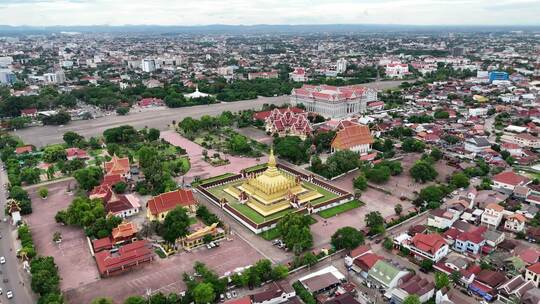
[{"x": 271, "y": 158}]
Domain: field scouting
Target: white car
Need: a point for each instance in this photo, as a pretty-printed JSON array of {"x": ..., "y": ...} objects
[
  {"x": 2, "y": 260},
  {"x": 9, "y": 294}
]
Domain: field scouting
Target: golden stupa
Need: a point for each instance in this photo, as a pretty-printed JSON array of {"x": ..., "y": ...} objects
[{"x": 273, "y": 190}]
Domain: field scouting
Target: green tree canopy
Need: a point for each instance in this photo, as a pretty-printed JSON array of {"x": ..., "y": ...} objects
[
  {"x": 347, "y": 238},
  {"x": 423, "y": 171},
  {"x": 175, "y": 225},
  {"x": 295, "y": 232},
  {"x": 203, "y": 293}
]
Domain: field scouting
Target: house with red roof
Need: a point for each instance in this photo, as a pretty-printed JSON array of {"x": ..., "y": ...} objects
[
  {"x": 121, "y": 205},
  {"x": 515, "y": 222},
  {"x": 123, "y": 259},
  {"x": 150, "y": 102},
  {"x": 430, "y": 246},
  {"x": 532, "y": 273},
  {"x": 117, "y": 165},
  {"x": 24, "y": 149},
  {"x": 29, "y": 112},
  {"x": 298, "y": 75},
  {"x": 470, "y": 241},
  {"x": 158, "y": 206},
  {"x": 508, "y": 180},
  {"x": 486, "y": 283},
  {"x": 413, "y": 284},
  {"x": 76, "y": 153}
]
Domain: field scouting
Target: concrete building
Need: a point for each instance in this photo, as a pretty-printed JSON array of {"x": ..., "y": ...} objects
[
  {"x": 341, "y": 66},
  {"x": 334, "y": 102},
  {"x": 7, "y": 77},
  {"x": 148, "y": 65}
]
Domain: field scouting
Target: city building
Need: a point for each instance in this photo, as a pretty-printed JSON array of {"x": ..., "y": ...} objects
[
  {"x": 341, "y": 66},
  {"x": 333, "y": 102},
  {"x": 148, "y": 65},
  {"x": 263, "y": 75},
  {"x": 493, "y": 215},
  {"x": 515, "y": 223},
  {"x": 356, "y": 138},
  {"x": 442, "y": 219},
  {"x": 507, "y": 181},
  {"x": 477, "y": 144},
  {"x": 498, "y": 76},
  {"x": 7, "y": 77},
  {"x": 532, "y": 273},
  {"x": 56, "y": 77},
  {"x": 298, "y": 75},
  {"x": 158, "y": 206},
  {"x": 397, "y": 70}
]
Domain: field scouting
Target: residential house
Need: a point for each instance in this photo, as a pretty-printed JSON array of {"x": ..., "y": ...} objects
[
  {"x": 275, "y": 293},
  {"x": 493, "y": 215},
  {"x": 515, "y": 288},
  {"x": 524, "y": 140},
  {"x": 493, "y": 237},
  {"x": 486, "y": 283},
  {"x": 158, "y": 206},
  {"x": 428, "y": 246},
  {"x": 321, "y": 283},
  {"x": 515, "y": 223},
  {"x": 442, "y": 219},
  {"x": 76, "y": 153},
  {"x": 532, "y": 273},
  {"x": 386, "y": 275},
  {"x": 356, "y": 138},
  {"x": 477, "y": 144},
  {"x": 413, "y": 285},
  {"x": 507, "y": 181},
  {"x": 118, "y": 166},
  {"x": 470, "y": 241}
]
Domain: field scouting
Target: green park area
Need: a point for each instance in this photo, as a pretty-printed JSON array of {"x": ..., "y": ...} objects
[{"x": 330, "y": 212}]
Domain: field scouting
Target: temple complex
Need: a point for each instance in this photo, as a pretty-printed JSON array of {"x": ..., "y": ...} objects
[{"x": 272, "y": 191}]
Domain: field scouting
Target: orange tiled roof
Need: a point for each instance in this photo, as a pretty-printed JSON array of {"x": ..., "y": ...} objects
[
  {"x": 351, "y": 136},
  {"x": 170, "y": 200},
  {"x": 117, "y": 165},
  {"x": 124, "y": 230}
]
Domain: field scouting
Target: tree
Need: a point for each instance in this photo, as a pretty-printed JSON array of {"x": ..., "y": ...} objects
[
  {"x": 460, "y": 180},
  {"x": 175, "y": 225},
  {"x": 388, "y": 244},
  {"x": 309, "y": 259},
  {"x": 398, "y": 208},
  {"x": 441, "y": 114},
  {"x": 455, "y": 276},
  {"x": 122, "y": 111},
  {"x": 45, "y": 278},
  {"x": 375, "y": 221},
  {"x": 441, "y": 280},
  {"x": 360, "y": 182},
  {"x": 291, "y": 148},
  {"x": 203, "y": 293},
  {"x": 88, "y": 177},
  {"x": 189, "y": 125},
  {"x": 347, "y": 238},
  {"x": 378, "y": 174},
  {"x": 412, "y": 299},
  {"x": 30, "y": 175},
  {"x": 54, "y": 153},
  {"x": 72, "y": 139},
  {"x": 436, "y": 154},
  {"x": 295, "y": 232},
  {"x": 153, "y": 134},
  {"x": 426, "y": 264},
  {"x": 43, "y": 192},
  {"x": 279, "y": 272},
  {"x": 135, "y": 300},
  {"x": 239, "y": 144},
  {"x": 423, "y": 171},
  {"x": 431, "y": 193},
  {"x": 412, "y": 145},
  {"x": 102, "y": 301}
]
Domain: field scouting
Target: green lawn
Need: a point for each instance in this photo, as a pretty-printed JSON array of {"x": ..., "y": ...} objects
[
  {"x": 213, "y": 179},
  {"x": 256, "y": 167},
  {"x": 327, "y": 195},
  {"x": 340, "y": 209},
  {"x": 271, "y": 234},
  {"x": 255, "y": 216}
]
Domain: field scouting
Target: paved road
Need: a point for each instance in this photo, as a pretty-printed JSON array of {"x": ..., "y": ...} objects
[
  {"x": 158, "y": 118},
  {"x": 11, "y": 269}
]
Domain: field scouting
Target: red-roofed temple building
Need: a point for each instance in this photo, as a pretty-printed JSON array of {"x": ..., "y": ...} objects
[
  {"x": 334, "y": 102},
  {"x": 158, "y": 206},
  {"x": 123, "y": 259}
]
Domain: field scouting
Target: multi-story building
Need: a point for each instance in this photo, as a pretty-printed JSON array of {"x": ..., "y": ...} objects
[
  {"x": 298, "y": 75},
  {"x": 533, "y": 274},
  {"x": 341, "y": 66},
  {"x": 334, "y": 102},
  {"x": 493, "y": 215},
  {"x": 515, "y": 223},
  {"x": 148, "y": 65},
  {"x": 56, "y": 77},
  {"x": 523, "y": 140},
  {"x": 397, "y": 70},
  {"x": 7, "y": 77},
  {"x": 428, "y": 246}
]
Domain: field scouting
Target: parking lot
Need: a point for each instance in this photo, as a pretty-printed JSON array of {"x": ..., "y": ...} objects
[
  {"x": 165, "y": 275},
  {"x": 75, "y": 263}
]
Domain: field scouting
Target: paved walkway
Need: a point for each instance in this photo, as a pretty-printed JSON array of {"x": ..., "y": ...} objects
[{"x": 202, "y": 169}]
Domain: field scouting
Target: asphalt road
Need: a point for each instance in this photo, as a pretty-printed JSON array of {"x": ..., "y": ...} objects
[
  {"x": 11, "y": 269},
  {"x": 158, "y": 118}
]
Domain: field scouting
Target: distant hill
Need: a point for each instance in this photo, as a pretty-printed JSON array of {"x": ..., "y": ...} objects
[{"x": 261, "y": 28}]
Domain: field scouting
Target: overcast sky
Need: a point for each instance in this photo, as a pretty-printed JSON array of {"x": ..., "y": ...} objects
[{"x": 248, "y": 12}]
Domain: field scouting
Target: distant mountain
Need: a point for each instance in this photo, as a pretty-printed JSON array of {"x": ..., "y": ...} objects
[{"x": 261, "y": 28}]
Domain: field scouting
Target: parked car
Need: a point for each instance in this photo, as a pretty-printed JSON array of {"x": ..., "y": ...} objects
[
  {"x": 234, "y": 294},
  {"x": 9, "y": 294},
  {"x": 228, "y": 294},
  {"x": 2, "y": 260}
]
